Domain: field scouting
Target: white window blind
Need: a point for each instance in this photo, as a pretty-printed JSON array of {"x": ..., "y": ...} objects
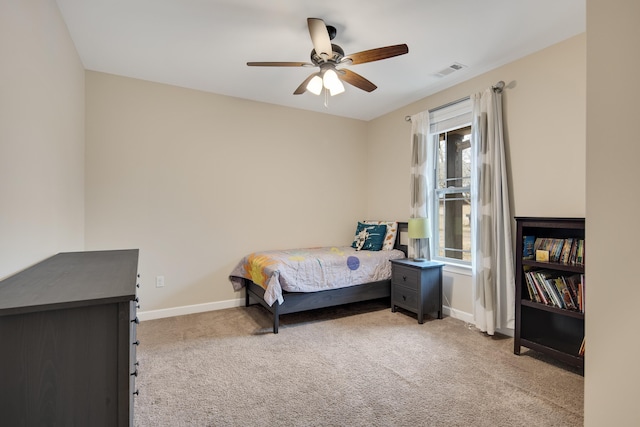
[{"x": 452, "y": 116}]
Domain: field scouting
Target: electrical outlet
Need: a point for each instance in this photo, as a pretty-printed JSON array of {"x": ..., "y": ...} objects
[{"x": 159, "y": 281}]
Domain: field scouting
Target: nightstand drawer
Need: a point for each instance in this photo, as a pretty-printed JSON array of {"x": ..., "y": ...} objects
[
  {"x": 404, "y": 297},
  {"x": 404, "y": 276}
]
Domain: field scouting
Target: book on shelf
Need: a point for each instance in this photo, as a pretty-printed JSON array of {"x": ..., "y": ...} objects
[
  {"x": 575, "y": 284},
  {"x": 567, "y": 298},
  {"x": 534, "y": 293},
  {"x": 580, "y": 253},
  {"x": 542, "y": 256},
  {"x": 568, "y": 251},
  {"x": 581, "y": 351},
  {"x": 581, "y": 293},
  {"x": 528, "y": 243},
  {"x": 552, "y": 246},
  {"x": 551, "y": 288},
  {"x": 548, "y": 280},
  {"x": 541, "y": 289}
]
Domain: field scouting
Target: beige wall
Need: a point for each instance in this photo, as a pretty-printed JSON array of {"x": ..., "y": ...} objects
[
  {"x": 178, "y": 172},
  {"x": 612, "y": 372},
  {"x": 544, "y": 116},
  {"x": 198, "y": 180},
  {"x": 41, "y": 136}
]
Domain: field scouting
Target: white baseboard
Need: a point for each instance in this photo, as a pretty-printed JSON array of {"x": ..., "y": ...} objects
[
  {"x": 468, "y": 318},
  {"x": 507, "y": 332},
  {"x": 457, "y": 314},
  {"x": 189, "y": 309},
  {"x": 239, "y": 302}
]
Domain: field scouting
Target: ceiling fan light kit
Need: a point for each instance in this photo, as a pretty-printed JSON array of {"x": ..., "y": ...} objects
[
  {"x": 315, "y": 85},
  {"x": 328, "y": 56},
  {"x": 331, "y": 82}
]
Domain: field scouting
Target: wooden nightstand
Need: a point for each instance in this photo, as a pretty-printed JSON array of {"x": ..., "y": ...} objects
[{"x": 417, "y": 286}]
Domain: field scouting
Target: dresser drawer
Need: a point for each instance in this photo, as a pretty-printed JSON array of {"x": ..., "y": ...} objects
[
  {"x": 405, "y": 276},
  {"x": 404, "y": 297}
]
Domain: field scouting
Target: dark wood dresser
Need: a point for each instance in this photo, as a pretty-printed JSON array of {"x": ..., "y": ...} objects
[{"x": 68, "y": 341}]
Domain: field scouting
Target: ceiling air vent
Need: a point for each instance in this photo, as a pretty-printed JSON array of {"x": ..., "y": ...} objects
[{"x": 450, "y": 69}]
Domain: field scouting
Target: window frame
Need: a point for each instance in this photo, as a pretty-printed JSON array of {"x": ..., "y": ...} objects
[{"x": 450, "y": 117}]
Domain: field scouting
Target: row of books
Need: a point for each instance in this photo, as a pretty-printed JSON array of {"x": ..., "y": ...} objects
[
  {"x": 547, "y": 287},
  {"x": 565, "y": 251}
]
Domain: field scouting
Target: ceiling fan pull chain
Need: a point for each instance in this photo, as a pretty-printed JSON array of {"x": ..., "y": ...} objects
[{"x": 326, "y": 98}]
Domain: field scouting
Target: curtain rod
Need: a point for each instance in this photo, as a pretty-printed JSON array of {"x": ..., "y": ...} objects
[{"x": 497, "y": 88}]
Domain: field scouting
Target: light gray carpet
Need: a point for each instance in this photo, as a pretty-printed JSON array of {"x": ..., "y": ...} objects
[{"x": 356, "y": 365}]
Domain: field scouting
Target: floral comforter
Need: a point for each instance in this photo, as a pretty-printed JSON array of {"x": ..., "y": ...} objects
[{"x": 312, "y": 270}]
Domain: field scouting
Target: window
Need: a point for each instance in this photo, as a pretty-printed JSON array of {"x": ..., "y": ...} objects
[{"x": 451, "y": 130}]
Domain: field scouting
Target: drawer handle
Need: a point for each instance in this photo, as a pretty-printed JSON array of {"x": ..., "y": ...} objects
[
  {"x": 137, "y": 392},
  {"x": 136, "y": 321},
  {"x": 404, "y": 297},
  {"x": 404, "y": 278},
  {"x": 135, "y": 374},
  {"x": 136, "y": 342}
]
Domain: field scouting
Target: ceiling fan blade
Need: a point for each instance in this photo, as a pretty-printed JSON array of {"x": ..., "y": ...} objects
[
  {"x": 303, "y": 86},
  {"x": 280, "y": 64},
  {"x": 320, "y": 37},
  {"x": 356, "y": 80},
  {"x": 376, "y": 54}
]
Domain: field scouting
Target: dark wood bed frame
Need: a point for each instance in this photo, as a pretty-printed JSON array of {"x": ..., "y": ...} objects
[{"x": 302, "y": 301}]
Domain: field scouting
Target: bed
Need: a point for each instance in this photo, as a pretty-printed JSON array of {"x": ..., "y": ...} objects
[{"x": 297, "y": 280}]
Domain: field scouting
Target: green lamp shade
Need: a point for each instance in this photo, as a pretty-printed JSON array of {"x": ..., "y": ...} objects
[{"x": 419, "y": 228}]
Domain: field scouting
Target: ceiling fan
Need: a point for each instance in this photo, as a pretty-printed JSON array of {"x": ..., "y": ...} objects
[{"x": 329, "y": 57}]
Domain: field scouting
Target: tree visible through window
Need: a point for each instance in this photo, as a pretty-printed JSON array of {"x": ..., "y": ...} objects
[{"x": 453, "y": 195}]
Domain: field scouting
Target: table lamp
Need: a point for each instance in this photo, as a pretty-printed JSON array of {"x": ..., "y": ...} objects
[{"x": 419, "y": 229}]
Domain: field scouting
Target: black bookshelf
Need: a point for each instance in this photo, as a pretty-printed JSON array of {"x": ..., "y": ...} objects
[{"x": 555, "y": 331}]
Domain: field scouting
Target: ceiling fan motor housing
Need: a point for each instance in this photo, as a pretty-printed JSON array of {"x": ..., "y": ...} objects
[{"x": 336, "y": 55}]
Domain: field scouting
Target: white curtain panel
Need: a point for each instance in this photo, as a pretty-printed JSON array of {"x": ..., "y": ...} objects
[
  {"x": 493, "y": 270},
  {"x": 421, "y": 180}
]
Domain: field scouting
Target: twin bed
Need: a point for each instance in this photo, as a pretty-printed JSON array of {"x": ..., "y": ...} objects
[{"x": 297, "y": 280}]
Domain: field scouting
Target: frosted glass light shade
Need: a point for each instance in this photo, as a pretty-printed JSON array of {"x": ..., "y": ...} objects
[
  {"x": 332, "y": 82},
  {"x": 337, "y": 89},
  {"x": 315, "y": 85},
  {"x": 419, "y": 228}
]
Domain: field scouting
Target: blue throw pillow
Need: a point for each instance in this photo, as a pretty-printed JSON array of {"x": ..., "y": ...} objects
[{"x": 369, "y": 237}]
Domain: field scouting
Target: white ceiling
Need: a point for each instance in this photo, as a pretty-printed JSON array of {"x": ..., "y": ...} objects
[{"x": 205, "y": 44}]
